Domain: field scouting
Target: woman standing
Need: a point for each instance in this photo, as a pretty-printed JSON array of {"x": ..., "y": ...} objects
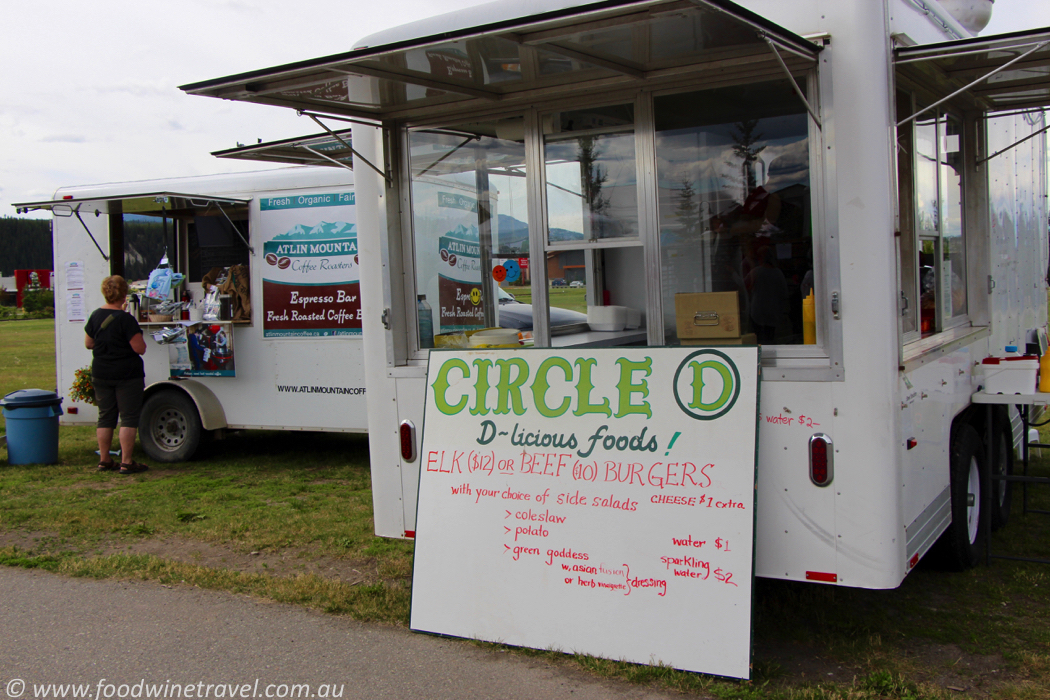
[{"x": 115, "y": 340}]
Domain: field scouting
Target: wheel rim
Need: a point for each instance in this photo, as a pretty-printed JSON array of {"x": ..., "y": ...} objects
[
  {"x": 973, "y": 500},
  {"x": 169, "y": 428}
]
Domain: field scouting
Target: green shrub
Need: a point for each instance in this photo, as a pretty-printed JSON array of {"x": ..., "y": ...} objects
[{"x": 36, "y": 301}]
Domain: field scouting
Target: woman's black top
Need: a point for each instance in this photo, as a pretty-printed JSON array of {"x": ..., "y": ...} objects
[{"x": 114, "y": 357}]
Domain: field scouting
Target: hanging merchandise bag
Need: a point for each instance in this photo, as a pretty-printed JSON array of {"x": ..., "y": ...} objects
[
  {"x": 159, "y": 284},
  {"x": 211, "y": 305}
]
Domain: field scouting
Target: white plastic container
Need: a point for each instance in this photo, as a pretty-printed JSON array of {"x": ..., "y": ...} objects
[
  {"x": 607, "y": 318},
  {"x": 1010, "y": 375},
  {"x": 495, "y": 338}
]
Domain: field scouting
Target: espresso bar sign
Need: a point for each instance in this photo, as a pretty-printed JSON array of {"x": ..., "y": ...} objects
[
  {"x": 595, "y": 501},
  {"x": 311, "y": 266}
]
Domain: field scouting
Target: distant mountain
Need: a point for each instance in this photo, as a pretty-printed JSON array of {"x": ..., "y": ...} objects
[
  {"x": 514, "y": 235},
  {"x": 322, "y": 231},
  {"x": 561, "y": 234}
]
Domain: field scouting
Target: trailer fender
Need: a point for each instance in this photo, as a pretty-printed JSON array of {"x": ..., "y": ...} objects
[{"x": 213, "y": 417}]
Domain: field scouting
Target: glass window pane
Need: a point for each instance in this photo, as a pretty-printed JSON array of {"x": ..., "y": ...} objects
[
  {"x": 906, "y": 211},
  {"x": 928, "y": 285},
  {"x": 469, "y": 217},
  {"x": 591, "y": 177},
  {"x": 926, "y": 216},
  {"x": 733, "y": 173},
  {"x": 477, "y": 62},
  {"x": 954, "y": 273},
  {"x": 592, "y": 197}
]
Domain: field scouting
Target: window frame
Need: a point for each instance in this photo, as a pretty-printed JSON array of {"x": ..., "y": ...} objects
[
  {"x": 947, "y": 325},
  {"x": 820, "y": 362}
]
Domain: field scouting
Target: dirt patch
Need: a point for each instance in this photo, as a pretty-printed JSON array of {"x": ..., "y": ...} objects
[
  {"x": 948, "y": 666},
  {"x": 286, "y": 563},
  {"x": 943, "y": 666},
  {"x": 794, "y": 663}
]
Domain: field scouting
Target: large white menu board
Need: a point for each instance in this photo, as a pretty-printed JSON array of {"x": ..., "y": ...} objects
[{"x": 596, "y": 501}]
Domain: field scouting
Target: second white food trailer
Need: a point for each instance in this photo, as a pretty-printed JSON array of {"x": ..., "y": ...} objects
[{"x": 292, "y": 359}]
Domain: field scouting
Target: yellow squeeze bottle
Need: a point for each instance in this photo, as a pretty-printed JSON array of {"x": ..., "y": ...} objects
[
  {"x": 1044, "y": 373},
  {"x": 809, "y": 322}
]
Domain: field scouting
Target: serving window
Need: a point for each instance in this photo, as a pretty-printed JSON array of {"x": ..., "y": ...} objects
[
  {"x": 469, "y": 217},
  {"x": 932, "y": 241},
  {"x": 736, "y": 231},
  {"x": 588, "y": 221}
]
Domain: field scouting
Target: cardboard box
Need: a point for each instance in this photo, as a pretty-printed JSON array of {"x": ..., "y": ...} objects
[
  {"x": 746, "y": 339},
  {"x": 707, "y": 315}
]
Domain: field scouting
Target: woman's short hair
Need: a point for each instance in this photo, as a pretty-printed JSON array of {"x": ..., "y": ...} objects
[{"x": 114, "y": 288}]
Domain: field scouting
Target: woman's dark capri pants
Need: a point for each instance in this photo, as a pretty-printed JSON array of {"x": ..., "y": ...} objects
[{"x": 123, "y": 396}]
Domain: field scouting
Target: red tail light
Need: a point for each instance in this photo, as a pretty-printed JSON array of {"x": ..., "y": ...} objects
[
  {"x": 408, "y": 440},
  {"x": 821, "y": 463},
  {"x": 822, "y": 576}
]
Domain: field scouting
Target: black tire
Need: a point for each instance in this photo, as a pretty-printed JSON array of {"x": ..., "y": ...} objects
[
  {"x": 961, "y": 544},
  {"x": 170, "y": 429},
  {"x": 1002, "y": 465}
]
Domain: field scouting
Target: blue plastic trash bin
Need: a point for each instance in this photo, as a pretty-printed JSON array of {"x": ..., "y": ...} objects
[{"x": 32, "y": 426}]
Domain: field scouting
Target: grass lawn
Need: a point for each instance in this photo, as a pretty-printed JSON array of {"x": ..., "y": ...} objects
[
  {"x": 288, "y": 517},
  {"x": 28, "y": 359}
]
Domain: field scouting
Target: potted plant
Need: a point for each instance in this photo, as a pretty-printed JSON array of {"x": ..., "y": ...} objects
[{"x": 83, "y": 390}]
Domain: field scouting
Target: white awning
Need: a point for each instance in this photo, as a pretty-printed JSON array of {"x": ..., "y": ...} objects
[
  {"x": 1000, "y": 73},
  {"x": 316, "y": 149},
  {"x": 143, "y": 203},
  {"x": 513, "y": 59}
]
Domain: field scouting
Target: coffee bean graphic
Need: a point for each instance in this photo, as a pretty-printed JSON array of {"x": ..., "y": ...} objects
[
  {"x": 271, "y": 259},
  {"x": 284, "y": 263}
]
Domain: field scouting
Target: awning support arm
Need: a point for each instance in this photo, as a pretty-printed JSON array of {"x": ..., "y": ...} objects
[
  {"x": 326, "y": 157},
  {"x": 425, "y": 170},
  {"x": 350, "y": 148},
  {"x": 979, "y": 80},
  {"x": 791, "y": 79},
  {"x": 306, "y": 113},
  {"x": 1013, "y": 145},
  {"x": 77, "y": 212},
  {"x": 235, "y": 229}
]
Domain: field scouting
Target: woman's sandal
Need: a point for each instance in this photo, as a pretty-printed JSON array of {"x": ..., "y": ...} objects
[
  {"x": 133, "y": 468},
  {"x": 109, "y": 466}
]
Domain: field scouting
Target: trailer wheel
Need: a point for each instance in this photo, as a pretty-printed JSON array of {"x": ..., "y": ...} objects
[
  {"x": 1003, "y": 454},
  {"x": 170, "y": 428},
  {"x": 960, "y": 545}
]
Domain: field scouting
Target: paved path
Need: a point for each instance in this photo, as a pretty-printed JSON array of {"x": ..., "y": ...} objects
[{"x": 56, "y": 630}]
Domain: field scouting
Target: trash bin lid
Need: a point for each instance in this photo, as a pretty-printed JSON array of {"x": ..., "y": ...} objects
[{"x": 28, "y": 398}]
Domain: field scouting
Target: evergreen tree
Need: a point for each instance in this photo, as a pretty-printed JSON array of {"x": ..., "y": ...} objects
[
  {"x": 746, "y": 149},
  {"x": 687, "y": 211},
  {"x": 25, "y": 244}
]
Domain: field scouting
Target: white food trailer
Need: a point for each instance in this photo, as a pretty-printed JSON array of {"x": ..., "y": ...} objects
[
  {"x": 293, "y": 362},
  {"x": 874, "y": 157}
]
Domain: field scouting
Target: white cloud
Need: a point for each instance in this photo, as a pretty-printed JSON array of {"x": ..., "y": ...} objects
[
  {"x": 64, "y": 138},
  {"x": 90, "y": 90}
]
